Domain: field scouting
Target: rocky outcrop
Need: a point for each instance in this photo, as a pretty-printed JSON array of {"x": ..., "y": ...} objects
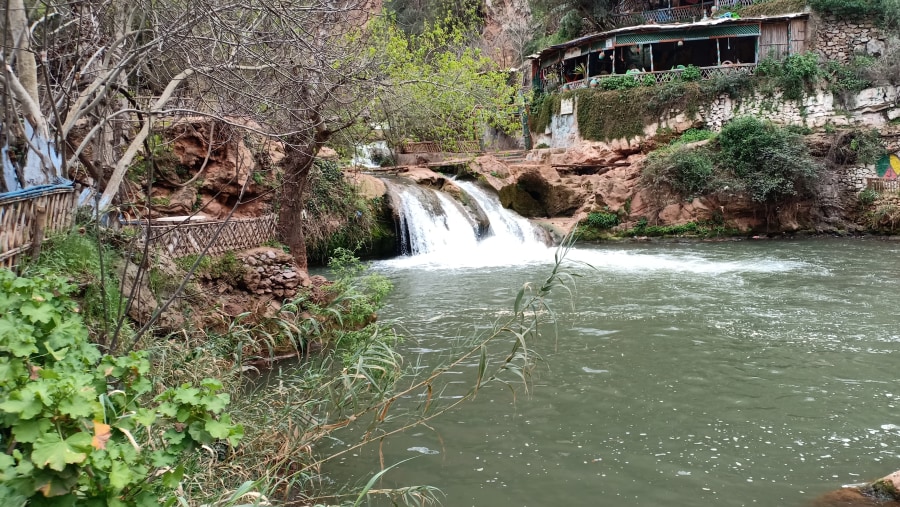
[
  {"x": 201, "y": 167},
  {"x": 884, "y": 492}
]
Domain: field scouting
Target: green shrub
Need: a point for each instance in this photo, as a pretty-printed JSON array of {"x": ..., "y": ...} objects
[
  {"x": 853, "y": 9},
  {"x": 768, "y": 162},
  {"x": 794, "y": 75},
  {"x": 799, "y": 74},
  {"x": 693, "y": 136},
  {"x": 602, "y": 220},
  {"x": 703, "y": 229},
  {"x": 691, "y": 73},
  {"x": 80, "y": 428},
  {"x": 868, "y": 197},
  {"x": 689, "y": 172},
  {"x": 851, "y": 77},
  {"x": 570, "y": 25}
]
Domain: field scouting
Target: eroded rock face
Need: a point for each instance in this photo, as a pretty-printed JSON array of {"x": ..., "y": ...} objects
[{"x": 203, "y": 168}]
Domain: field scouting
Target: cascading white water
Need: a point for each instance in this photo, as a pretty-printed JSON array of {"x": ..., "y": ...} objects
[
  {"x": 366, "y": 154},
  {"x": 506, "y": 226},
  {"x": 438, "y": 231}
]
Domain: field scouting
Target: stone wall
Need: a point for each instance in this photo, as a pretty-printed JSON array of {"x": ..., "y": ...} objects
[
  {"x": 854, "y": 178},
  {"x": 270, "y": 271},
  {"x": 873, "y": 107},
  {"x": 840, "y": 39}
]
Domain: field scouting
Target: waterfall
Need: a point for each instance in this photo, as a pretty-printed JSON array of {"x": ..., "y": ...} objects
[
  {"x": 370, "y": 155},
  {"x": 475, "y": 230}
]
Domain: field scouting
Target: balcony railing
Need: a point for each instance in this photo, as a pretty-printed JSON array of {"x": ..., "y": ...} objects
[
  {"x": 666, "y": 76},
  {"x": 675, "y": 14}
]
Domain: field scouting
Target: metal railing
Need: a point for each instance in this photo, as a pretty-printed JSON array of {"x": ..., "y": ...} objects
[
  {"x": 674, "y": 14},
  {"x": 666, "y": 76}
]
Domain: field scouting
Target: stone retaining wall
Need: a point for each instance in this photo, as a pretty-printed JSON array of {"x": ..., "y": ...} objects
[
  {"x": 270, "y": 271},
  {"x": 840, "y": 39}
]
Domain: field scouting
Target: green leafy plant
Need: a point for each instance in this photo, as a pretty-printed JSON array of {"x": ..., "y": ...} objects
[
  {"x": 691, "y": 73},
  {"x": 868, "y": 197},
  {"x": 79, "y": 426},
  {"x": 769, "y": 162},
  {"x": 794, "y": 75},
  {"x": 687, "y": 171},
  {"x": 602, "y": 220}
]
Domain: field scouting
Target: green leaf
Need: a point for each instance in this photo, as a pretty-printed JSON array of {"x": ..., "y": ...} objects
[
  {"x": 38, "y": 312},
  {"x": 187, "y": 395},
  {"x": 219, "y": 429},
  {"x": 30, "y": 430},
  {"x": 120, "y": 476},
  {"x": 22, "y": 404},
  {"x": 217, "y": 403},
  {"x": 172, "y": 478},
  {"x": 6, "y": 461},
  {"x": 51, "y": 451}
]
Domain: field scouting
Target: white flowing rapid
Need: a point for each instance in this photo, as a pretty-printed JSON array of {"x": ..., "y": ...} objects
[{"x": 439, "y": 231}]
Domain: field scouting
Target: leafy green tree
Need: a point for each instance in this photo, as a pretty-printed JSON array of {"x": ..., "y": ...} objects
[
  {"x": 598, "y": 14},
  {"x": 438, "y": 88}
]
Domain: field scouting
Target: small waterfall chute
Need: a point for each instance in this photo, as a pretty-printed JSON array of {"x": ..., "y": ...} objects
[{"x": 437, "y": 230}]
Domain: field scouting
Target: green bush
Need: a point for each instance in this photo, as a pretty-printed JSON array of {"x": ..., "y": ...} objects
[
  {"x": 703, "y": 229},
  {"x": 794, "y": 75},
  {"x": 570, "y": 25},
  {"x": 768, "y": 162},
  {"x": 868, "y": 197},
  {"x": 691, "y": 73},
  {"x": 80, "y": 428},
  {"x": 852, "y": 77},
  {"x": 693, "y": 136},
  {"x": 689, "y": 172},
  {"x": 853, "y": 9},
  {"x": 602, "y": 220}
]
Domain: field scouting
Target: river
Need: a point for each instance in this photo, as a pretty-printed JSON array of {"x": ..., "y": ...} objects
[{"x": 680, "y": 374}]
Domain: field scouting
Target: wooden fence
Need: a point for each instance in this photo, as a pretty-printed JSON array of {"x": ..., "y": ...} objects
[
  {"x": 883, "y": 185},
  {"x": 458, "y": 146},
  {"x": 191, "y": 237},
  {"x": 25, "y": 213}
]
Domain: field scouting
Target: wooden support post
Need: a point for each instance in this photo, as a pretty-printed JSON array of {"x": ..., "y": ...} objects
[{"x": 37, "y": 230}]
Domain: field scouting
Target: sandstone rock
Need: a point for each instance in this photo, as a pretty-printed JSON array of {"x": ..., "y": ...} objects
[
  {"x": 368, "y": 186},
  {"x": 326, "y": 153}
]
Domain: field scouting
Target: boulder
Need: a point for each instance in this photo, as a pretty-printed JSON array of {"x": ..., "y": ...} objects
[{"x": 873, "y": 100}]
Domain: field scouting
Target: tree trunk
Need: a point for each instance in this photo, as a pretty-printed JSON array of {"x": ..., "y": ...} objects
[
  {"x": 291, "y": 217},
  {"x": 26, "y": 67}
]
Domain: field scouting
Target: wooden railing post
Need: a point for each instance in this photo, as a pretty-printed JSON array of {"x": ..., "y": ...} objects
[{"x": 37, "y": 229}]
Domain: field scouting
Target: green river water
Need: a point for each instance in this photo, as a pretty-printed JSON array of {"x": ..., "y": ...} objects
[{"x": 720, "y": 374}]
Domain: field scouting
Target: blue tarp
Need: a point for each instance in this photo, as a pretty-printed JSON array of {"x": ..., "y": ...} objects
[{"x": 35, "y": 191}]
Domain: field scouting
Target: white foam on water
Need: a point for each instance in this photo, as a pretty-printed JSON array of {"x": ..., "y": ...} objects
[{"x": 636, "y": 262}]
